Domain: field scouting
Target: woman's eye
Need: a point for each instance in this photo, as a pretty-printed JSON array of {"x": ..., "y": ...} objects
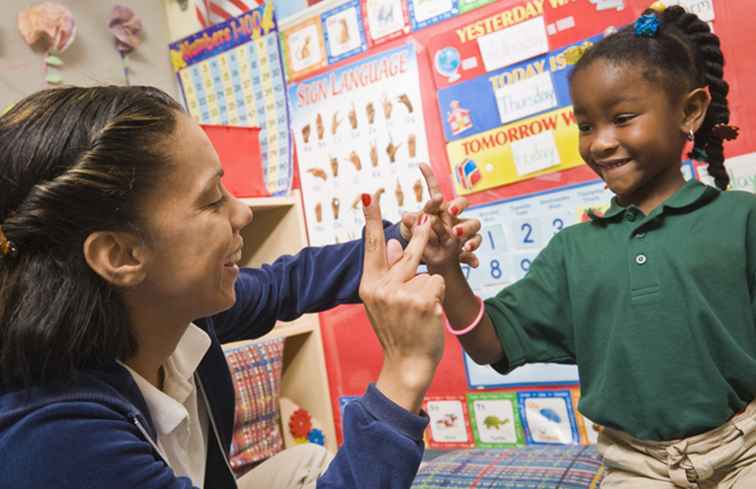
[
  {"x": 219, "y": 202},
  {"x": 584, "y": 127}
]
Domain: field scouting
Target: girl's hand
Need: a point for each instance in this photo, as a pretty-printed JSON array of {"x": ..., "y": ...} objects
[
  {"x": 452, "y": 240},
  {"x": 404, "y": 309}
]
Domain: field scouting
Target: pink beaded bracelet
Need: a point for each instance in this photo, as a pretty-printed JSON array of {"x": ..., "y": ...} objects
[{"x": 460, "y": 332}]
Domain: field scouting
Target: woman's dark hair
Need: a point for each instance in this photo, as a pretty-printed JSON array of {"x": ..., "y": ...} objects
[
  {"x": 684, "y": 55},
  {"x": 72, "y": 161}
]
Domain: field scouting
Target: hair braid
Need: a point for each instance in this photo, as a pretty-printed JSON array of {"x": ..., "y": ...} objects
[{"x": 709, "y": 62}]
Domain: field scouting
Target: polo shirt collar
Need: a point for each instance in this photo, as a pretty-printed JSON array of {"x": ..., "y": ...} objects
[{"x": 692, "y": 192}]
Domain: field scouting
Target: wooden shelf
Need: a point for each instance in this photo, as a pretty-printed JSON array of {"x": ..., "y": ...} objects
[
  {"x": 304, "y": 325},
  {"x": 278, "y": 228},
  {"x": 271, "y": 202}
]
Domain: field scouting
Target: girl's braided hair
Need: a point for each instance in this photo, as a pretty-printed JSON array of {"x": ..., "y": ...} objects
[{"x": 683, "y": 55}]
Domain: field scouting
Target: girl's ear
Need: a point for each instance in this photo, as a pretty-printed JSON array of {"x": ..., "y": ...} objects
[
  {"x": 117, "y": 257},
  {"x": 695, "y": 105}
]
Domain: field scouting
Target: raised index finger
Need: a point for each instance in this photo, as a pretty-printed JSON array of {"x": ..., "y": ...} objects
[
  {"x": 430, "y": 179},
  {"x": 375, "y": 245},
  {"x": 406, "y": 267}
]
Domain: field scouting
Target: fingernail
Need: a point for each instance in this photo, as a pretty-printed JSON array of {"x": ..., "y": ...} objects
[
  {"x": 458, "y": 232},
  {"x": 423, "y": 218},
  {"x": 453, "y": 211},
  {"x": 366, "y": 200}
]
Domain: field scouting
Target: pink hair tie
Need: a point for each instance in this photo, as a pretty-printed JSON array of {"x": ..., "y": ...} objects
[{"x": 476, "y": 321}]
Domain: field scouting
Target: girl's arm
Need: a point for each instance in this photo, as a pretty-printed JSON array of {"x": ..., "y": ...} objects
[{"x": 462, "y": 307}]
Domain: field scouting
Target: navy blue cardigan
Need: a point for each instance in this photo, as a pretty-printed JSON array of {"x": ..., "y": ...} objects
[{"x": 98, "y": 433}]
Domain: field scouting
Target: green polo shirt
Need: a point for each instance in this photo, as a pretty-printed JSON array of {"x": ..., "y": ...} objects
[{"x": 657, "y": 312}]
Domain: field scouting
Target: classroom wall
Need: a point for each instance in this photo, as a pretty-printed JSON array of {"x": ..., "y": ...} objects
[{"x": 92, "y": 58}]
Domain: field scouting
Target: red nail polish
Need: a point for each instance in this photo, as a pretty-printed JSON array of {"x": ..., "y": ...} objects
[
  {"x": 458, "y": 232},
  {"x": 453, "y": 211},
  {"x": 366, "y": 200}
]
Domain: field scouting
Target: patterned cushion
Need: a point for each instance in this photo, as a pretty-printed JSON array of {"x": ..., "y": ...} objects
[
  {"x": 542, "y": 467},
  {"x": 256, "y": 371}
]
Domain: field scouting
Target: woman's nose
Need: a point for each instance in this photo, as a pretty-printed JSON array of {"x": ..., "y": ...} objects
[{"x": 242, "y": 215}]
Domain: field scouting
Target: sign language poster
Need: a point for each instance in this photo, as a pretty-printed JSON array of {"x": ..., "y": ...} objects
[{"x": 359, "y": 129}]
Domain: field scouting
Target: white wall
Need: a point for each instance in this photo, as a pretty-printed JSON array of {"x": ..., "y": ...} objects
[{"x": 92, "y": 58}]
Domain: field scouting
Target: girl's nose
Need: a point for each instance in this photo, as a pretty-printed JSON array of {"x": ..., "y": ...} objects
[{"x": 604, "y": 144}]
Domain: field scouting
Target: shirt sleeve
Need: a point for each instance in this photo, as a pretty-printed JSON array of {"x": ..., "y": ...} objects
[
  {"x": 313, "y": 280},
  {"x": 532, "y": 316},
  {"x": 383, "y": 446}
]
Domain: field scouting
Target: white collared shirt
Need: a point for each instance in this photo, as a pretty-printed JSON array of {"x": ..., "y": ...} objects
[{"x": 179, "y": 415}]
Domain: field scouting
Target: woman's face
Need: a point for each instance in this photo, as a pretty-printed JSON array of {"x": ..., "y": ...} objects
[{"x": 193, "y": 242}]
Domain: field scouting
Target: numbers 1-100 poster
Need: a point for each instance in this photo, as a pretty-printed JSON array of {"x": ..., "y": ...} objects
[{"x": 231, "y": 74}]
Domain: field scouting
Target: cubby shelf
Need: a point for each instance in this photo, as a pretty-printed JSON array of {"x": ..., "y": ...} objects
[{"x": 277, "y": 229}]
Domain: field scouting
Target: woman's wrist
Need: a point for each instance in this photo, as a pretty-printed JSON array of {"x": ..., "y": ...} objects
[{"x": 406, "y": 381}]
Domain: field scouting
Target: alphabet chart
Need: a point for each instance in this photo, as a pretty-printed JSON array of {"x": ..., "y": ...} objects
[{"x": 231, "y": 74}]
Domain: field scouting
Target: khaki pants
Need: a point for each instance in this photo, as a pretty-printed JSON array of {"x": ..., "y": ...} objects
[
  {"x": 295, "y": 468},
  {"x": 723, "y": 458}
]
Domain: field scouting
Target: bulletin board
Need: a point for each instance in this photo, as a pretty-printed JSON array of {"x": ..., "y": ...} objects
[
  {"x": 231, "y": 74},
  {"x": 495, "y": 108}
]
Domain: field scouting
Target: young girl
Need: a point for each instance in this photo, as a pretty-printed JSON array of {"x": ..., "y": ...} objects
[
  {"x": 119, "y": 280},
  {"x": 655, "y": 301}
]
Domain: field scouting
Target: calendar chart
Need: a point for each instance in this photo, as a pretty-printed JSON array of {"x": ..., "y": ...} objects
[{"x": 231, "y": 74}]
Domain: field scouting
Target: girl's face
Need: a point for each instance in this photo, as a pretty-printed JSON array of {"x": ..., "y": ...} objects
[
  {"x": 630, "y": 131},
  {"x": 193, "y": 242}
]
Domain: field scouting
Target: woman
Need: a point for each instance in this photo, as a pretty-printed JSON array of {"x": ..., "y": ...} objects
[{"x": 119, "y": 280}]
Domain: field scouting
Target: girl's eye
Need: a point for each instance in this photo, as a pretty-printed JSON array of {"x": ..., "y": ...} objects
[
  {"x": 584, "y": 128},
  {"x": 624, "y": 118}
]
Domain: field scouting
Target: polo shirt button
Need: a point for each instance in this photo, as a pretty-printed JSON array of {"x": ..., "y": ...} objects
[
  {"x": 630, "y": 216},
  {"x": 640, "y": 235},
  {"x": 640, "y": 259}
]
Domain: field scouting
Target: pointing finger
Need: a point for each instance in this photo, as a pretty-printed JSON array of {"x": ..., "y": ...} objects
[
  {"x": 375, "y": 246},
  {"x": 406, "y": 268}
]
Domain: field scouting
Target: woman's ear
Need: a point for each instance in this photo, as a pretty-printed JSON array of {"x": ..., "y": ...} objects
[
  {"x": 695, "y": 105},
  {"x": 117, "y": 257}
]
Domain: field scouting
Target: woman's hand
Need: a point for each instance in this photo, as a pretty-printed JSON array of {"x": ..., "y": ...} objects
[
  {"x": 452, "y": 240},
  {"x": 404, "y": 309}
]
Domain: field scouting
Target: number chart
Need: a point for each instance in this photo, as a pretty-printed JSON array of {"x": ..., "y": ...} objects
[
  {"x": 514, "y": 232},
  {"x": 231, "y": 74}
]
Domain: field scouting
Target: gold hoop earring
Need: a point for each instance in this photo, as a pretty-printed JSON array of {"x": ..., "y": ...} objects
[{"x": 691, "y": 135}]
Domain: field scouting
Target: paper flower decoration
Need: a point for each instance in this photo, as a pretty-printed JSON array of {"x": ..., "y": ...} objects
[
  {"x": 50, "y": 22},
  {"x": 51, "y": 26},
  {"x": 126, "y": 28}
]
